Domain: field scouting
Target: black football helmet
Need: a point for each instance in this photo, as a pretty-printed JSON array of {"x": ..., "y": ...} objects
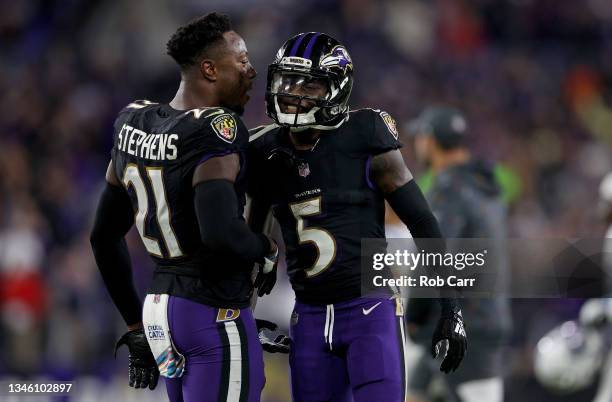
[{"x": 315, "y": 69}]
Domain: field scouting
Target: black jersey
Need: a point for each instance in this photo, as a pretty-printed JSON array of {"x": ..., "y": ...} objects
[
  {"x": 324, "y": 200},
  {"x": 155, "y": 151}
]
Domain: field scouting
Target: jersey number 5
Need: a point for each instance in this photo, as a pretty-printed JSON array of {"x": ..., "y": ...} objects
[
  {"x": 131, "y": 177},
  {"x": 324, "y": 242}
]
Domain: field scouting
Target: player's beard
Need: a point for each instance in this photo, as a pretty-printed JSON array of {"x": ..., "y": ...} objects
[
  {"x": 235, "y": 106},
  {"x": 239, "y": 110},
  {"x": 246, "y": 85},
  {"x": 239, "y": 96}
]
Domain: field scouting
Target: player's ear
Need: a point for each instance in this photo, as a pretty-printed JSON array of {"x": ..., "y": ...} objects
[{"x": 208, "y": 69}]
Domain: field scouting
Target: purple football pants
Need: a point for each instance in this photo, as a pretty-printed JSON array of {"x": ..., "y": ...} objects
[
  {"x": 347, "y": 351},
  {"x": 224, "y": 359}
]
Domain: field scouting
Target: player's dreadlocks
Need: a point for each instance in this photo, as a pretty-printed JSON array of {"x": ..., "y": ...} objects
[{"x": 190, "y": 41}]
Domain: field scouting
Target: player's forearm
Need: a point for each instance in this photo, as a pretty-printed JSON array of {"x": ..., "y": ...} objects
[
  {"x": 412, "y": 208},
  {"x": 113, "y": 220},
  {"x": 410, "y": 205},
  {"x": 113, "y": 261},
  {"x": 395, "y": 181},
  {"x": 221, "y": 228},
  {"x": 259, "y": 214}
]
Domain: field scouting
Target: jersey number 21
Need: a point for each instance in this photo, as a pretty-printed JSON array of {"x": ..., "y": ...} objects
[{"x": 131, "y": 177}]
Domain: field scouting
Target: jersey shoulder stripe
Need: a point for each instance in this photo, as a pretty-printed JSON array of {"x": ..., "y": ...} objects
[
  {"x": 260, "y": 131},
  {"x": 371, "y": 109},
  {"x": 136, "y": 106},
  {"x": 139, "y": 104},
  {"x": 204, "y": 113},
  {"x": 127, "y": 111}
]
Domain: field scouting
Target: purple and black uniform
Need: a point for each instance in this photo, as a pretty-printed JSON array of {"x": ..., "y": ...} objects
[
  {"x": 343, "y": 345},
  {"x": 155, "y": 153}
]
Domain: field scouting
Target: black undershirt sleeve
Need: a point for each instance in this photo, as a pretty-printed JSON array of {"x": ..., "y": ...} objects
[
  {"x": 257, "y": 190},
  {"x": 221, "y": 228},
  {"x": 412, "y": 208},
  {"x": 114, "y": 218}
]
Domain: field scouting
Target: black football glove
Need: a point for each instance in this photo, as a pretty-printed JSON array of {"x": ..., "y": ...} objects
[
  {"x": 272, "y": 340},
  {"x": 142, "y": 368},
  {"x": 450, "y": 328},
  {"x": 266, "y": 277}
]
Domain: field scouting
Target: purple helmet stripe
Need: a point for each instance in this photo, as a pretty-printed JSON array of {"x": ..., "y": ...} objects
[
  {"x": 297, "y": 44},
  {"x": 310, "y": 45}
]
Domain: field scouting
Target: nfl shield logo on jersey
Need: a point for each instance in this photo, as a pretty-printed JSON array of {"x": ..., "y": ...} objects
[
  {"x": 303, "y": 169},
  {"x": 225, "y": 127}
]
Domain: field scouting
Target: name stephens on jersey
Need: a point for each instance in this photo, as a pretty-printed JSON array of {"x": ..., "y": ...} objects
[{"x": 157, "y": 147}]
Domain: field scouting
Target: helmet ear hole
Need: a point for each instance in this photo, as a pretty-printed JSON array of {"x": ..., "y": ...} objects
[{"x": 319, "y": 58}]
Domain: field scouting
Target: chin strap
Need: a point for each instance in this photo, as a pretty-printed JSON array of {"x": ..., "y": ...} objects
[{"x": 298, "y": 129}]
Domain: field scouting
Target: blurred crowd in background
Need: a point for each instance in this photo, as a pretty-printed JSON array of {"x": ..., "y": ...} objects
[{"x": 534, "y": 78}]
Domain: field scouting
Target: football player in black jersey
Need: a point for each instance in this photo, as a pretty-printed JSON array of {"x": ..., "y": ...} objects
[
  {"x": 326, "y": 171},
  {"x": 177, "y": 173}
]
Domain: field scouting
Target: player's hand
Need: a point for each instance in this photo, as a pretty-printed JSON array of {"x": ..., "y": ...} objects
[
  {"x": 450, "y": 328},
  {"x": 272, "y": 340},
  {"x": 142, "y": 368},
  {"x": 266, "y": 277}
]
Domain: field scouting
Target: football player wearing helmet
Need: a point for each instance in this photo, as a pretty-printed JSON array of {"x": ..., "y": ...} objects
[
  {"x": 177, "y": 173},
  {"x": 333, "y": 169}
]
